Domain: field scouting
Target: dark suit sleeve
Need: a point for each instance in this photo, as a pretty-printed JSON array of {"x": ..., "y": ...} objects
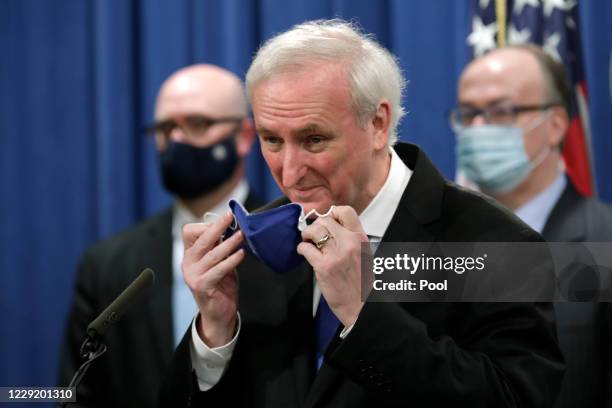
[
  {"x": 606, "y": 333},
  {"x": 180, "y": 384},
  {"x": 82, "y": 311},
  {"x": 505, "y": 357}
]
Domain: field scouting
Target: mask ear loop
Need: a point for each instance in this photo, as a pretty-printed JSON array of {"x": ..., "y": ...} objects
[
  {"x": 302, "y": 219},
  {"x": 233, "y": 226},
  {"x": 208, "y": 215},
  {"x": 540, "y": 157},
  {"x": 542, "y": 154},
  {"x": 537, "y": 121}
]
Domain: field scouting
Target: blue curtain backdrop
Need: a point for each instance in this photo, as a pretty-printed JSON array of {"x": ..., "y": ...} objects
[{"x": 78, "y": 80}]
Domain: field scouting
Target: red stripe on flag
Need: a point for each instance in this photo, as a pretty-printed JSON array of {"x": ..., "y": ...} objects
[
  {"x": 583, "y": 88},
  {"x": 576, "y": 157}
]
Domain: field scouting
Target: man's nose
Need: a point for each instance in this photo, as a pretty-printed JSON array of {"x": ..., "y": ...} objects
[
  {"x": 294, "y": 167},
  {"x": 177, "y": 134},
  {"x": 479, "y": 120}
]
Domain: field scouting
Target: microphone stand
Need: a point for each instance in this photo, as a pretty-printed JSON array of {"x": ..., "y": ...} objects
[{"x": 91, "y": 349}]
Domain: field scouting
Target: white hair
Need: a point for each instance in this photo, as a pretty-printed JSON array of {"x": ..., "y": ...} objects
[{"x": 372, "y": 70}]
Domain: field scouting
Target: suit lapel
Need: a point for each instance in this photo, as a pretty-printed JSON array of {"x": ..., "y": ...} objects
[
  {"x": 416, "y": 218},
  {"x": 299, "y": 303},
  {"x": 299, "y": 291},
  {"x": 159, "y": 303},
  {"x": 567, "y": 219}
]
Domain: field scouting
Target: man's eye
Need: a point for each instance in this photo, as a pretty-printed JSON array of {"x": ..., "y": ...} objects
[
  {"x": 467, "y": 117},
  {"x": 272, "y": 140},
  {"x": 501, "y": 115},
  {"x": 200, "y": 122},
  {"x": 500, "y": 111},
  {"x": 314, "y": 140},
  {"x": 166, "y": 128},
  {"x": 315, "y": 143}
]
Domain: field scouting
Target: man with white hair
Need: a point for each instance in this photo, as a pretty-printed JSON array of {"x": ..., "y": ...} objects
[
  {"x": 327, "y": 100},
  {"x": 202, "y": 133}
]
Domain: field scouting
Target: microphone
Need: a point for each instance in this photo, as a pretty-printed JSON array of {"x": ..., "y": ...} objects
[
  {"x": 92, "y": 348},
  {"x": 120, "y": 305}
]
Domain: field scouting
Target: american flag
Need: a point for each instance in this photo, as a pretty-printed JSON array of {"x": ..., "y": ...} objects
[{"x": 554, "y": 25}]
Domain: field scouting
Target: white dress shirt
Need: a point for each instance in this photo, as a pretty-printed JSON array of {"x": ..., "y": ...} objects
[{"x": 209, "y": 364}]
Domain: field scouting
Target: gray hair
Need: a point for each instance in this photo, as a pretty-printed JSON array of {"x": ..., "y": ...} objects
[{"x": 372, "y": 70}]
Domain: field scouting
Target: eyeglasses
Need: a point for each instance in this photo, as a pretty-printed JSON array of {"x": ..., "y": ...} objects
[
  {"x": 194, "y": 126},
  {"x": 499, "y": 114}
]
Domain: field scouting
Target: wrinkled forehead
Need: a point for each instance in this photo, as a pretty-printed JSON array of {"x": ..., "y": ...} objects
[{"x": 305, "y": 89}]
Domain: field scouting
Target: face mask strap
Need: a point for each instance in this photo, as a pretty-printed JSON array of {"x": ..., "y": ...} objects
[
  {"x": 209, "y": 215},
  {"x": 537, "y": 121},
  {"x": 543, "y": 154},
  {"x": 540, "y": 157},
  {"x": 303, "y": 218}
]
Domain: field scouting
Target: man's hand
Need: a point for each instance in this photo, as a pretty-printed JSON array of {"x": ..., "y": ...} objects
[
  {"x": 209, "y": 269},
  {"x": 337, "y": 264}
]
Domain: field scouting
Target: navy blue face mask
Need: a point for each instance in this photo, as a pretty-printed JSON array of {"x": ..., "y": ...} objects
[
  {"x": 272, "y": 235},
  {"x": 189, "y": 171}
]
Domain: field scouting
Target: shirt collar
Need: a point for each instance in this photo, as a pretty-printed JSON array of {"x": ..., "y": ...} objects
[
  {"x": 536, "y": 211},
  {"x": 378, "y": 214},
  {"x": 182, "y": 216}
]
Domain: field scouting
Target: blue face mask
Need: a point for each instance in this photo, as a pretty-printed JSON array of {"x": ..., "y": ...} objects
[
  {"x": 188, "y": 171},
  {"x": 272, "y": 235},
  {"x": 494, "y": 157}
]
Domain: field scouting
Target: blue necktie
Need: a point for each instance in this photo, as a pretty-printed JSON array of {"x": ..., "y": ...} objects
[{"x": 326, "y": 324}]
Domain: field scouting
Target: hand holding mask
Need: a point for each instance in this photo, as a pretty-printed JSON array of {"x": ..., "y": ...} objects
[
  {"x": 209, "y": 269},
  {"x": 332, "y": 245}
]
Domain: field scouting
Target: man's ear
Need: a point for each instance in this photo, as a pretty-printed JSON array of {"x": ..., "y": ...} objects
[
  {"x": 558, "y": 126},
  {"x": 245, "y": 137},
  {"x": 381, "y": 123}
]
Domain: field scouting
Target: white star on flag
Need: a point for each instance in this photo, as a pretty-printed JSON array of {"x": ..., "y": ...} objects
[
  {"x": 518, "y": 37},
  {"x": 550, "y": 45},
  {"x": 482, "y": 36},
  {"x": 563, "y": 5},
  {"x": 484, "y": 4},
  {"x": 519, "y": 4}
]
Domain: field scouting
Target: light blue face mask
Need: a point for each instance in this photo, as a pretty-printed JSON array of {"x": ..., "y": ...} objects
[{"x": 493, "y": 156}]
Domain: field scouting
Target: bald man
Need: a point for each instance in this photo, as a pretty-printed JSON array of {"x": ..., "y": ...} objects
[
  {"x": 202, "y": 134},
  {"x": 511, "y": 120}
]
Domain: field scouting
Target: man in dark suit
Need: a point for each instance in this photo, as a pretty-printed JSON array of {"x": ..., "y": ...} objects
[
  {"x": 511, "y": 121},
  {"x": 326, "y": 101},
  {"x": 203, "y": 134}
]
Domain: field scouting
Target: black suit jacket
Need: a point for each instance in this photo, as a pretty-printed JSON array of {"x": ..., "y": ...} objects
[
  {"x": 140, "y": 346},
  {"x": 397, "y": 354},
  {"x": 583, "y": 328}
]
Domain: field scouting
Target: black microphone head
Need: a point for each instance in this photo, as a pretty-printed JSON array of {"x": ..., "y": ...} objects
[
  {"x": 149, "y": 274},
  {"x": 120, "y": 305}
]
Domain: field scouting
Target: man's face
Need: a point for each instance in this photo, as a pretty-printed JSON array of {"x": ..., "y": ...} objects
[
  {"x": 508, "y": 77},
  {"x": 318, "y": 153}
]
